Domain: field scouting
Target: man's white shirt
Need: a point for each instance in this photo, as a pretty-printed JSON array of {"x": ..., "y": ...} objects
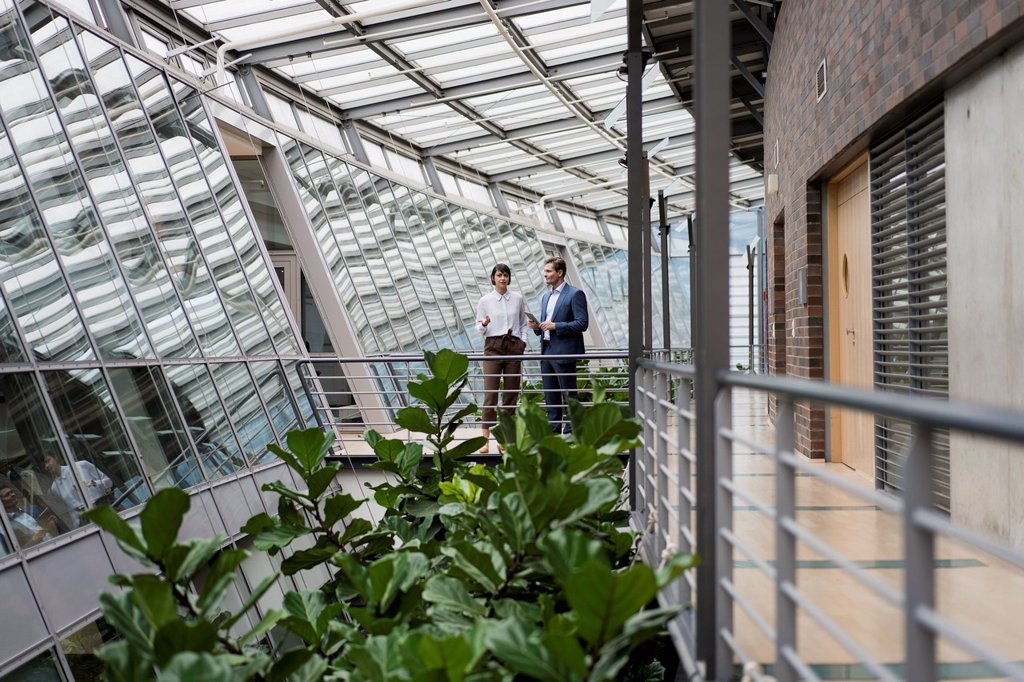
[{"x": 552, "y": 302}]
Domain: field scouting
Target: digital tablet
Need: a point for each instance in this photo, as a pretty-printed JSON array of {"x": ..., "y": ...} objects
[{"x": 532, "y": 318}]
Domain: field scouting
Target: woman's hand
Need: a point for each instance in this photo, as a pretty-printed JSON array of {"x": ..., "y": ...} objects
[{"x": 486, "y": 321}]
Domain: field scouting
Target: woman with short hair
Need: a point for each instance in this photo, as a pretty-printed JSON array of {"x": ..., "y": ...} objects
[{"x": 501, "y": 320}]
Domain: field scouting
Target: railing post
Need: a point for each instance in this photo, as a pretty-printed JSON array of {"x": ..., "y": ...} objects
[
  {"x": 712, "y": 43},
  {"x": 661, "y": 461},
  {"x": 650, "y": 435},
  {"x": 684, "y": 404},
  {"x": 785, "y": 542},
  {"x": 723, "y": 548},
  {"x": 919, "y": 545}
]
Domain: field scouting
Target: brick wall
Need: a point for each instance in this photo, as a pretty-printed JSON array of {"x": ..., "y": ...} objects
[{"x": 882, "y": 56}]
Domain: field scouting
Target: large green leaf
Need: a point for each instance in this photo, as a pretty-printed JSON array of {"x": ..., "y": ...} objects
[
  {"x": 319, "y": 480},
  {"x": 153, "y": 597},
  {"x": 450, "y": 593},
  {"x": 567, "y": 551},
  {"x": 130, "y": 540},
  {"x": 465, "y": 448},
  {"x": 310, "y": 447},
  {"x": 604, "y": 600},
  {"x": 338, "y": 506},
  {"x": 304, "y": 559},
  {"x": 452, "y": 656},
  {"x": 220, "y": 577},
  {"x": 379, "y": 658},
  {"x": 279, "y": 536},
  {"x": 477, "y": 564},
  {"x": 130, "y": 623},
  {"x": 192, "y": 667},
  {"x": 161, "y": 518},
  {"x": 602, "y": 494},
  {"x": 519, "y": 646},
  {"x": 124, "y": 662},
  {"x": 448, "y": 365},
  {"x": 394, "y": 574},
  {"x": 177, "y": 636},
  {"x": 675, "y": 568},
  {"x": 250, "y": 601},
  {"x": 517, "y": 524},
  {"x": 415, "y": 419},
  {"x": 266, "y": 624},
  {"x": 289, "y": 664},
  {"x": 287, "y": 457},
  {"x": 308, "y": 614},
  {"x": 433, "y": 393},
  {"x": 183, "y": 560},
  {"x": 601, "y": 423}
]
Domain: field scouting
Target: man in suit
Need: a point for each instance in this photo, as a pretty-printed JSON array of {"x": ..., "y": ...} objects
[{"x": 563, "y": 319}]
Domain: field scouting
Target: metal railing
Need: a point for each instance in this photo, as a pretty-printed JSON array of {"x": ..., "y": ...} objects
[
  {"x": 352, "y": 395},
  {"x": 794, "y": 593}
]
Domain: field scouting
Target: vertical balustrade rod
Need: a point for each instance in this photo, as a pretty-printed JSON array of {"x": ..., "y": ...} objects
[
  {"x": 723, "y": 549},
  {"x": 919, "y": 545},
  {"x": 785, "y": 543},
  {"x": 661, "y": 460}
]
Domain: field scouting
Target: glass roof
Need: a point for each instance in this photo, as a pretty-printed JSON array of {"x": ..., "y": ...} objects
[{"x": 443, "y": 75}]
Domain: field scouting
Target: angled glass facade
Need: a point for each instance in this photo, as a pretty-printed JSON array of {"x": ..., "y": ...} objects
[{"x": 144, "y": 343}]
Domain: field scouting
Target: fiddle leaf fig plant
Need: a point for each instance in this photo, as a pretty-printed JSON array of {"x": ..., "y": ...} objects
[{"x": 524, "y": 568}]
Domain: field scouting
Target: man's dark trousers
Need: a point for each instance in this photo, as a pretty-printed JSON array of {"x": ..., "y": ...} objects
[{"x": 559, "y": 378}]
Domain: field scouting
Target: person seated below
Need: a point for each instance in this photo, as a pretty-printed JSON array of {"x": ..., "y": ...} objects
[{"x": 30, "y": 525}]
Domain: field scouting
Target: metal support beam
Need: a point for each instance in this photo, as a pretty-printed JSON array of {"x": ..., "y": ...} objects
[
  {"x": 646, "y": 254},
  {"x": 435, "y": 179},
  {"x": 117, "y": 21},
  {"x": 758, "y": 116},
  {"x": 355, "y": 142},
  {"x": 555, "y": 219},
  {"x": 666, "y": 310},
  {"x": 754, "y": 81},
  {"x": 251, "y": 85},
  {"x": 711, "y": 347},
  {"x": 755, "y": 21},
  {"x": 635, "y": 213},
  {"x": 498, "y": 198},
  {"x": 605, "y": 230}
]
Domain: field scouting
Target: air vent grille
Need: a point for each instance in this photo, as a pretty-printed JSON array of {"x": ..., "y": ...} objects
[{"x": 821, "y": 80}]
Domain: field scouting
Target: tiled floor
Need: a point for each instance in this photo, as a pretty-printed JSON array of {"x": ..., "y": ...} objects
[{"x": 975, "y": 591}]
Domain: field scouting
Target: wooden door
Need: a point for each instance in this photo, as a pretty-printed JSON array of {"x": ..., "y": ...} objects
[{"x": 850, "y": 328}]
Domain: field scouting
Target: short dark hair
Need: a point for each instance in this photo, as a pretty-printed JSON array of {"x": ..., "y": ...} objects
[
  {"x": 501, "y": 267},
  {"x": 558, "y": 263}
]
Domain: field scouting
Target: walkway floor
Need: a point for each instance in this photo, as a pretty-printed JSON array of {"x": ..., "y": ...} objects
[{"x": 977, "y": 592}]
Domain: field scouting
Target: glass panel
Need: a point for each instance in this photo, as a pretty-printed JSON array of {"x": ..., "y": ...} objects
[
  {"x": 38, "y": 295},
  {"x": 243, "y": 237},
  {"x": 424, "y": 290},
  {"x": 39, "y": 493},
  {"x": 324, "y": 204},
  {"x": 187, "y": 259},
  {"x": 314, "y": 331},
  {"x": 256, "y": 187},
  {"x": 80, "y": 650},
  {"x": 306, "y": 408},
  {"x": 42, "y": 668},
  {"x": 275, "y": 396},
  {"x": 206, "y": 419},
  {"x": 69, "y": 211},
  {"x": 10, "y": 346},
  {"x": 100, "y": 448},
  {"x": 246, "y": 411},
  {"x": 115, "y": 192},
  {"x": 393, "y": 281},
  {"x": 156, "y": 428}
]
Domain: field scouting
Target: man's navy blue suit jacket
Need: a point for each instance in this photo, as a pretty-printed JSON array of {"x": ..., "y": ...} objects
[{"x": 570, "y": 316}]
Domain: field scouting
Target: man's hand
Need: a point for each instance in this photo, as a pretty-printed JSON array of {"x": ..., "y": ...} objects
[
  {"x": 532, "y": 324},
  {"x": 547, "y": 326}
]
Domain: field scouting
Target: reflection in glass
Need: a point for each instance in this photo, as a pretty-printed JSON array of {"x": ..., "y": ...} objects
[
  {"x": 52, "y": 172},
  {"x": 188, "y": 261},
  {"x": 111, "y": 186},
  {"x": 80, "y": 650},
  {"x": 243, "y": 236},
  {"x": 42, "y": 668},
  {"x": 33, "y": 466},
  {"x": 10, "y": 346},
  {"x": 206, "y": 419},
  {"x": 306, "y": 409},
  {"x": 275, "y": 396},
  {"x": 243, "y": 404},
  {"x": 156, "y": 429},
  {"x": 99, "y": 445}
]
